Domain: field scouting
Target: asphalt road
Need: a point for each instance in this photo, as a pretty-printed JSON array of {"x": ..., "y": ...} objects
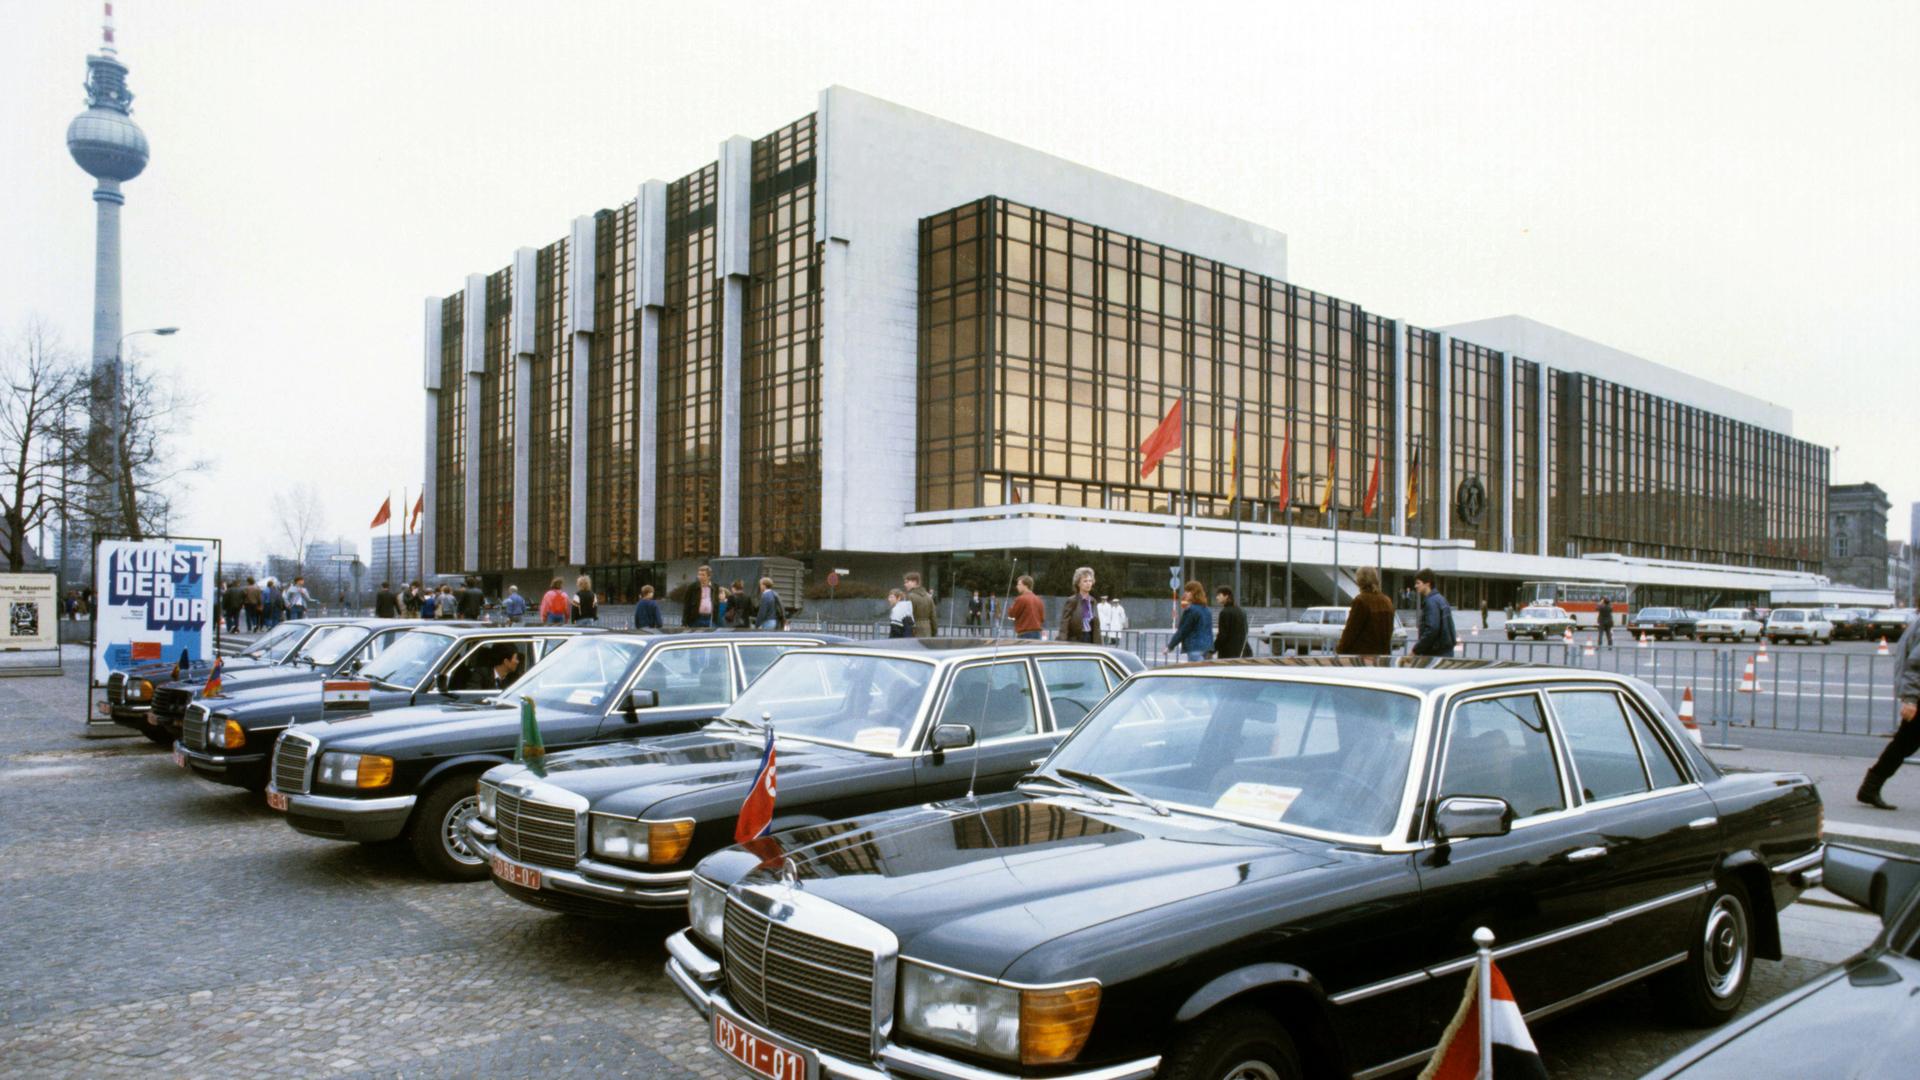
[{"x": 159, "y": 925}]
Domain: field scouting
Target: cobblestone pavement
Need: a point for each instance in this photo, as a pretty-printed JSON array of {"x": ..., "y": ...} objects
[{"x": 154, "y": 924}]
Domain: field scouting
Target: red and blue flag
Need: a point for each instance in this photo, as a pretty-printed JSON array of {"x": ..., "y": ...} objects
[
  {"x": 756, "y": 813},
  {"x": 212, "y": 689}
]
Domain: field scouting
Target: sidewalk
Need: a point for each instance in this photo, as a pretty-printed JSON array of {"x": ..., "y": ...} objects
[{"x": 1838, "y": 777}]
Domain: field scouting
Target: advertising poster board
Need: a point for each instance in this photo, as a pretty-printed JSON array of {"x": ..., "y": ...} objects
[
  {"x": 152, "y": 599},
  {"x": 31, "y": 604}
]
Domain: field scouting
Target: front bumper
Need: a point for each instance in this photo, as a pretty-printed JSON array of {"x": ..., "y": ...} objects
[
  {"x": 591, "y": 887},
  {"x": 697, "y": 976},
  {"x": 240, "y": 770},
  {"x": 137, "y": 717},
  {"x": 332, "y": 817}
]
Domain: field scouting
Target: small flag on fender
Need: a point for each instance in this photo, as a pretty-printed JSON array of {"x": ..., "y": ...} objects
[
  {"x": 1514, "y": 1055},
  {"x": 756, "y": 812},
  {"x": 531, "y": 750},
  {"x": 346, "y": 695},
  {"x": 212, "y": 689}
]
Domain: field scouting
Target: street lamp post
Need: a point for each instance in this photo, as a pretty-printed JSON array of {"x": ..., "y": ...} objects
[{"x": 106, "y": 423}]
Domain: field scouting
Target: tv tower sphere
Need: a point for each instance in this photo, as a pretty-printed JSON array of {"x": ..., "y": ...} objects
[{"x": 104, "y": 140}]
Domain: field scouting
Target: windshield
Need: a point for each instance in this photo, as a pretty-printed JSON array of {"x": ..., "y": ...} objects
[
  {"x": 1789, "y": 616},
  {"x": 326, "y": 647},
  {"x": 278, "y": 642},
  {"x": 580, "y": 676},
  {"x": 1336, "y": 617},
  {"x": 1290, "y": 754},
  {"x": 866, "y": 701},
  {"x": 405, "y": 662},
  {"x": 1727, "y": 613},
  {"x": 1544, "y": 613}
]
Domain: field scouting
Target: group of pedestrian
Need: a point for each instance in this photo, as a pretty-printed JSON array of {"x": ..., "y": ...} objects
[
  {"x": 708, "y": 604},
  {"x": 78, "y": 603},
  {"x": 910, "y": 609},
  {"x": 264, "y": 605}
]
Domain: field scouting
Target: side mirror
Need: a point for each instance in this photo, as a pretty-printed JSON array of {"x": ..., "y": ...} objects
[
  {"x": 1459, "y": 817},
  {"x": 637, "y": 700},
  {"x": 440, "y": 684},
  {"x": 357, "y": 664},
  {"x": 952, "y": 737},
  {"x": 1877, "y": 882}
]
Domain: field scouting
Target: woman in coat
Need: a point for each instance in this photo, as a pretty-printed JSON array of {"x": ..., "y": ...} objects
[
  {"x": 1080, "y": 613},
  {"x": 1194, "y": 634},
  {"x": 1369, "y": 629}
]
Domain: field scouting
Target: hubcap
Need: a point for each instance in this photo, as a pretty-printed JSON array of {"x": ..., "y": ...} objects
[
  {"x": 1725, "y": 947},
  {"x": 1251, "y": 1070},
  {"x": 453, "y": 831}
]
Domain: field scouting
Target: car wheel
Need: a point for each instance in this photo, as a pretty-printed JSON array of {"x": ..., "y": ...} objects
[
  {"x": 439, "y": 829},
  {"x": 1708, "y": 987},
  {"x": 1235, "y": 1044}
]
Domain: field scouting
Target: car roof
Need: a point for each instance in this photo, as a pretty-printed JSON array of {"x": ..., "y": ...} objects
[
  {"x": 1422, "y": 673},
  {"x": 473, "y": 629},
  {"x": 650, "y": 637},
  {"x": 962, "y": 648}
]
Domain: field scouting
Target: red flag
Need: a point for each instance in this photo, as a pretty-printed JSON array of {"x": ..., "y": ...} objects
[
  {"x": 756, "y": 812},
  {"x": 1164, "y": 440},
  {"x": 385, "y": 515},
  {"x": 1373, "y": 490},
  {"x": 212, "y": 689},
  {"x": 1514, "y": 1055},
  {"x": 1286, "y": 471},
  {"x": 419, "y": 505}
]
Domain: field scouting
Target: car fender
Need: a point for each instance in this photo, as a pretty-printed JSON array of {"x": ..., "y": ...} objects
[
  {"x": 1242, "y": 980},
  {"x": 1752, "y": 870},
  {"x": 479, "y": 763}
]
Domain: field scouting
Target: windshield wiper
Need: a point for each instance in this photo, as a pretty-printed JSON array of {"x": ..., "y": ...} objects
[
  {"x": 1063, "y": 781},
  {"x": 740, "y": 722},
  {"x": 384, "y": 684},
  {"x": 1116, "y": 786}
]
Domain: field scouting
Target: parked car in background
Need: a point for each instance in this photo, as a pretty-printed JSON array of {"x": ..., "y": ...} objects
[
  {"x": 1662, "y": 623},
  {"x": 1849, "y": 624},
  {"x": 1889, "y": 623},
  {"x": 1261, "y": 868},
  {"x": 1799, "y": 624},
  {"x": 1857, "y": 1019},
  {"x": 409, "y": 773},
  {"x": 616, "y": 830},
  {"x": 1729, "y": 624},
  {"x": 229, "y": 739},
  {"x": 1540, "y": 622},
  {"x": 152, "y": 701},
  {"x": 1315, "y": 629}
]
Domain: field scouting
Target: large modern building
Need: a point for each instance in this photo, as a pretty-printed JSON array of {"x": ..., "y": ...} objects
[{"x": 875, "y": 340}]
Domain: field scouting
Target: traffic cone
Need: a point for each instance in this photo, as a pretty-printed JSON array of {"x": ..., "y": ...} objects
[
  {"x": 1588, "y": 651},
  {"x": 1762, "y": 657},
  {"x": 1567, "y": 635},
  {"x": 1882, "y": 650},
  {"x": 1747, "y": 684},
  {"x": 1686, "y": 717},
  {"x": 1459, "y": 647},
  {"x": 1643, "y": 639}
]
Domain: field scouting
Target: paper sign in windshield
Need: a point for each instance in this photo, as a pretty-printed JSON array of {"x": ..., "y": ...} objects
[
  {"x": 584, "y": 697},
  {"x": 1268, "y": 801},
  {"x": 877, "y": 738}
]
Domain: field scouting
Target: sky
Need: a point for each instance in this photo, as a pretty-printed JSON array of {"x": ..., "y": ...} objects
[{"x": 1727, "y": 189}]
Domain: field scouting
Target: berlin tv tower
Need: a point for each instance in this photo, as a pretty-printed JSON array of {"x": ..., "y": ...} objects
[{"x": 106, "y": 142}]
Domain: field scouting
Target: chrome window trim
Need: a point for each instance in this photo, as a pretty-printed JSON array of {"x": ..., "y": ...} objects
[
  {"x": 1646, "y": 776},
  {"x": 1443, "y": 746},
  {"x": 649, "y": 657},
  {"x": 1039, "y": 717},
  {"x": 1111, "y": 671}
]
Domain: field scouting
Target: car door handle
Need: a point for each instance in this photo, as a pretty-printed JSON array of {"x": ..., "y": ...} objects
[
  {"x": 1586, "y": 854},
  {"x": 1703, "y": 823}
]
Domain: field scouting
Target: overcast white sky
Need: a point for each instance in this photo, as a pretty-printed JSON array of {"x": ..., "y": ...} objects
[{"x": 1725, "y": 188}]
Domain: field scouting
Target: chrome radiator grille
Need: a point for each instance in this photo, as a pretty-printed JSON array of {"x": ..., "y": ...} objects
[
  {"x": 535, "y": 832},
  {"x": 813, "y": 990},
  {"x": 290, "y": 765},
  {"x": 116, "y": 689},
  {"x": 193, "y": 730},
  {"x": 171, "y": 700}
]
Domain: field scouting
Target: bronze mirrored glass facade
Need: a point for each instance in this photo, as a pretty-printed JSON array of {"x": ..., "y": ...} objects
[
  {"x": 495, "y": 416},
  {"x": 450, "y": 489},
  {"x": 689, "y": 471},
  {"x": 613, "y": 438},
  {"x": 549, "y": 393}
]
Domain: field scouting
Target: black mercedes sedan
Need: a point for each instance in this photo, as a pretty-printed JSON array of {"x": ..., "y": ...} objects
[
  {"x": 615, "y": 830},
  {"x": 1257, "y": 868},
  {"x": 408, "y": 773},
  {"x": 1857, "y": 1020}
]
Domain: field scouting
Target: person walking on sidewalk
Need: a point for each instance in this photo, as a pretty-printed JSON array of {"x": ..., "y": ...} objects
[
  {"x": 1079, "y": 614},
  {"x": 514, "y": 606},
  {"x": 771, "y": 612},
  {"x": 1027, "y": 611},
  {"x": 1369, "y": 627},
  {"x": 1193, "y": 635},
  {"x": 555, "y": 607},
  {"x": 1906, "y": 738},
  {"x": 1603, "y": 623},
  {"x": 899, "y": 614},
  {"x": 297, "y": 599},
  {"x": 1230, "y": 641},
  {"x": 922, "y": 601},
  {"x": 1436, "y": 618},
  {"x": 646, "y": 610}
]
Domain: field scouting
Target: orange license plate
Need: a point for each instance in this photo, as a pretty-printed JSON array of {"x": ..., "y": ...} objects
[
  {"x": 524, "y": 876},
  {"x": 762, "y": 1056},
  {"x": 179, "y": 757},
  {"x": 277, "y": 801}
]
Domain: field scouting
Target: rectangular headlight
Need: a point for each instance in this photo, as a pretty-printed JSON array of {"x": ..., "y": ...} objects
[
  {"x": 618, "y": 838},
  {"x": 486, "y": 793},
  {"x": 1034, "y": 1026},
  {"x": 355, "y": 770},
  {"x": 707, "y": 910}
]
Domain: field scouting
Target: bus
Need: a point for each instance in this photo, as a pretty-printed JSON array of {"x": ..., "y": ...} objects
[{"x": 1580, "y": 599}]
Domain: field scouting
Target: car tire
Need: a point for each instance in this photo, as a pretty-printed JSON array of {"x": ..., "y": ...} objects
[
  {"x": 431, "y": 835},
  {"x": 1234, "y": 1044},
  {"x": 1509, "y": 635},
  {"x": 1708, "y": 987}
]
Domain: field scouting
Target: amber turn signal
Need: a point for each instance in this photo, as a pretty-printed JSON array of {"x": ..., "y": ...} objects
[
  {"x": 1055, "y": 1022},
  {"x": 667, "y": 841},
  {"x": 236, "y": 736},
  {"x": 375, "y": 771}
]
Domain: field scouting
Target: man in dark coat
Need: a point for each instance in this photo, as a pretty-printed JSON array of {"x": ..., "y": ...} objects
[
  {"x": 1436, "y": 618},
  {"x": 1230, "y": 630},
  {"x": 472, "y": 600},
  {"x": 385, "y": 604},
  {"x": 1369, "y": 627},
  {"x": 1906, "y": 738}
]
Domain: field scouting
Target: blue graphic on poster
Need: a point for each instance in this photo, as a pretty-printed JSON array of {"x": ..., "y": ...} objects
[{"x": 153, "y": 600}]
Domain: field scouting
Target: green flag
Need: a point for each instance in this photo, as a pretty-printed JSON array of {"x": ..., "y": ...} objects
[{"x": 530, "y": 750}]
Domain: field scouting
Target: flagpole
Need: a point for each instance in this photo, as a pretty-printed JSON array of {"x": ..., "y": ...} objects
[
  {"x": 1483, "y": 998},
  {"x": 1239, "y": 414},
  {"x": 406, "y": 526}
]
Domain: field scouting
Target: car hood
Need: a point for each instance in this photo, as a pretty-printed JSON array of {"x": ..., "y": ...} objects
[
  {"x": 1857, "y": 1021},
  {"x": 424, "y": 730},
  {"x": 976, "y": 884},
  {"x": 631, "y": 776},
  {"x": 269, "y": 703}
]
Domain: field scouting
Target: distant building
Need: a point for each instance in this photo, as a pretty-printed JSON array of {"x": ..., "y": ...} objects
[
  {"x": 395, "y": 559},
  {"x": 1900, "y": 570},
  {"x": 1857, "y": 535}
]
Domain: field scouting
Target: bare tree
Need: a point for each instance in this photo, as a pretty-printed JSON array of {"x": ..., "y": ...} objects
[
  {"x": 300, "y": 518},
  {"x": 41, "y": 390},
  {"x": 153, "y": 471}
]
